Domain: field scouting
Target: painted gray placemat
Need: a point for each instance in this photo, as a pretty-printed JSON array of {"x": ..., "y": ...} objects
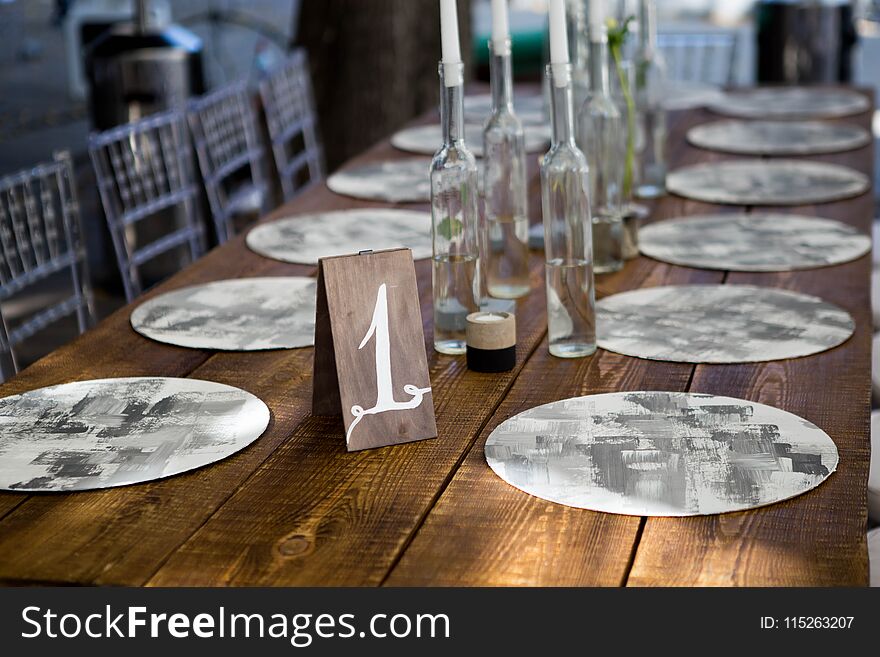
[
  {"x": 660, "y": 453},
  {"x": 114, "y": 432},
  {"x": 686, "y": 94},
  {"x": 791, "y": 103},
  {"x": 719, "y": 324},
  {"x": 245, "y": 314},
  {"x": 760, "y": 241},
  {"x": 426, "y": 139},
  {"x": 529, "y": 109},
  {"x": 778, "y": 137},
  {"x": 767, "y": 182},
  {"x": 305, "y": 238},
  {"x": 395, "y": 181}
]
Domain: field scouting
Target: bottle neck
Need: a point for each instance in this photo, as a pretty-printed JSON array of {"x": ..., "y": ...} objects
[
  {"x": 560, "y": 104},
  {"x": 451, "y": 103},
  {"x": 500, "y": 78},
  {"x": 599, "y": 77}
]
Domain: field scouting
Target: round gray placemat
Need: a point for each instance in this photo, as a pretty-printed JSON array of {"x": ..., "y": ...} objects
[
  {"x": 426, "y": 139},
  {"x": 767, "y": 182},
  {"x": 245, "y": 314},
  {"x": 395, "y": 181},
  {"x": 778, "y": 137},
  {"x": 790, "y": 103},
  {"x": 760, "y": 241},
  {"x": 305, "y": 238},
  {"x": 660, "y": 453},
  {"x": 529, "y": 109},
  {"x": 719, "y": 324},
  {"x": 114, "y": 432}
]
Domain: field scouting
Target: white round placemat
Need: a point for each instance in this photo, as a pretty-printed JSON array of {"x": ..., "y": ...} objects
[
  {"x": 778, "y": 137},
  {"x": 529, "y": 109},
  {"x": 719, "y": 324},
  {"x": 767, "y": 182},
  {"x": 685, "y": 94},
  {"x": 306, "y": 238},
  {"x": 761, "y": 241},
  {"x": 114, "y": 432},
  {"x": 245, "y": 314},
  {"x": 395, "y": 181},
  {"x": 426, "y": 139},
  {"x": 790, "y": 103},
  {"x": 660, "y": 453}
]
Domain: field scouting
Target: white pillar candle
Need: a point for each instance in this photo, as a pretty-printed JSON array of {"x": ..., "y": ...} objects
[
  {"x": 500, "y": 27},
  {"x": 449, "y": 32},
  {"x": 558, "y": 42},
  {"x": 597, "y": 15}
]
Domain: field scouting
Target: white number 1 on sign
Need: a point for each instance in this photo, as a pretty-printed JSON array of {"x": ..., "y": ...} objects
[{"x": 384, "y": 385}]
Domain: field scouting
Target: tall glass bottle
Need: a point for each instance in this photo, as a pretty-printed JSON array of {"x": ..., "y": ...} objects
[
  {"x": 650, "y": 75},
  {"x": 505, "y": 256},
  {"x": 601, "y": 137},
  {"x": 571, "y": 312},
  {"x": 455, "y": 220}
]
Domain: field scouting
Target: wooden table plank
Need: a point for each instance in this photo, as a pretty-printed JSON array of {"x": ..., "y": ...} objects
[{"x": 817, "y": 539}]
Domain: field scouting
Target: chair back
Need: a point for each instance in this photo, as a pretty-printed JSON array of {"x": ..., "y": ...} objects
[
  {"x": 145, "y": 169},
  {"x": 289, "y": 105},
  {"x": 230, "y": 154},
  {"x": 699, "y": 57},
  {"x": 40, "y": 237}
]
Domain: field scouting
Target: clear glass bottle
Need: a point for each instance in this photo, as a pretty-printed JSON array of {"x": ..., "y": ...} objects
[
  {"x": 650, "y": 76},
  {"x": 568, "y": 250},
  {"x": 455, "y": 220},
  {"x": 601, "y": 138},
  {"x": 505, "y": 254}
]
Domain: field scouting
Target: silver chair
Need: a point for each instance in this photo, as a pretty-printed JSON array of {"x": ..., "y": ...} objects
[
  {"x": 230, "y": 155},
  {"x": 290, "y": 117},
  {"x": 40, "y": 237},
  {"x": 145, "y": 171},
  {"x": 699, "y": 57}
]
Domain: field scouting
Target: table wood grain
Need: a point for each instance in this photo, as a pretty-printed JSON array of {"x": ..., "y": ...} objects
[{"x": 296, "y": 508}]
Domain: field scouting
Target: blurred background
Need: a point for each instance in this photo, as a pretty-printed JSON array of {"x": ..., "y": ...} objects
[{"x": 373, "y": 67}]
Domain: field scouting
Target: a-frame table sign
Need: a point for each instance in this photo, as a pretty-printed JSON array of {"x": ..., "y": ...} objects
[{"x": 370, "y": 361}]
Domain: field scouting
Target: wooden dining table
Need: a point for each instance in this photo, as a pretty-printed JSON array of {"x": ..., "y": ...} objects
[{"x": 296, "y": 509}]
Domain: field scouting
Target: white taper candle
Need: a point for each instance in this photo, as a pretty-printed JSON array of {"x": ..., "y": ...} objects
[
  {"x": 500, "y": 26},
  {"x": 597, "y": 14},
  {"x": 558, "y": 41},
  {"x": 449, "y": 32}
]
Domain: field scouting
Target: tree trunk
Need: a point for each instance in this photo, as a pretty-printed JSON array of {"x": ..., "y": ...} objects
[{"x": 373, "y": 65}]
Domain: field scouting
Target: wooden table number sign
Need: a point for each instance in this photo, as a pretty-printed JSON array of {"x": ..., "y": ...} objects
[{"x": 370, "y": 361}]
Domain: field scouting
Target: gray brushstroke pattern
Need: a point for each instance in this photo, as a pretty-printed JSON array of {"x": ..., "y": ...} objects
[
  {"x": 247, "y": 314},
  {"x": 660, "y": 453},
  {"x": 425, "y": 139},
  {"x": 396, "y": 181},
  {"x": 114, "y": 432},
  {"x": 778, "y": 137},
  {"x": 759, "y": 241},
  {"x": 719, "y": 324},
  {"x": 306, "y": 238},
  {"x": 791, "y": 103},
  {"x": 767, "y": 182}
]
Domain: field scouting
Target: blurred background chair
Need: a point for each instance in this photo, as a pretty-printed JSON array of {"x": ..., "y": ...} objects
[
  {"x": 145, "y": 172},
  {"x": 290, "y": 118},
  {"x": 230, "y": 155},
  {"x": 40, "y": 240},
  {"x": 699, "y": 56}
]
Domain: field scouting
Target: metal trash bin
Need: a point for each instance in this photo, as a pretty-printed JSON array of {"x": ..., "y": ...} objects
[{"x": 804, "y": 41}]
